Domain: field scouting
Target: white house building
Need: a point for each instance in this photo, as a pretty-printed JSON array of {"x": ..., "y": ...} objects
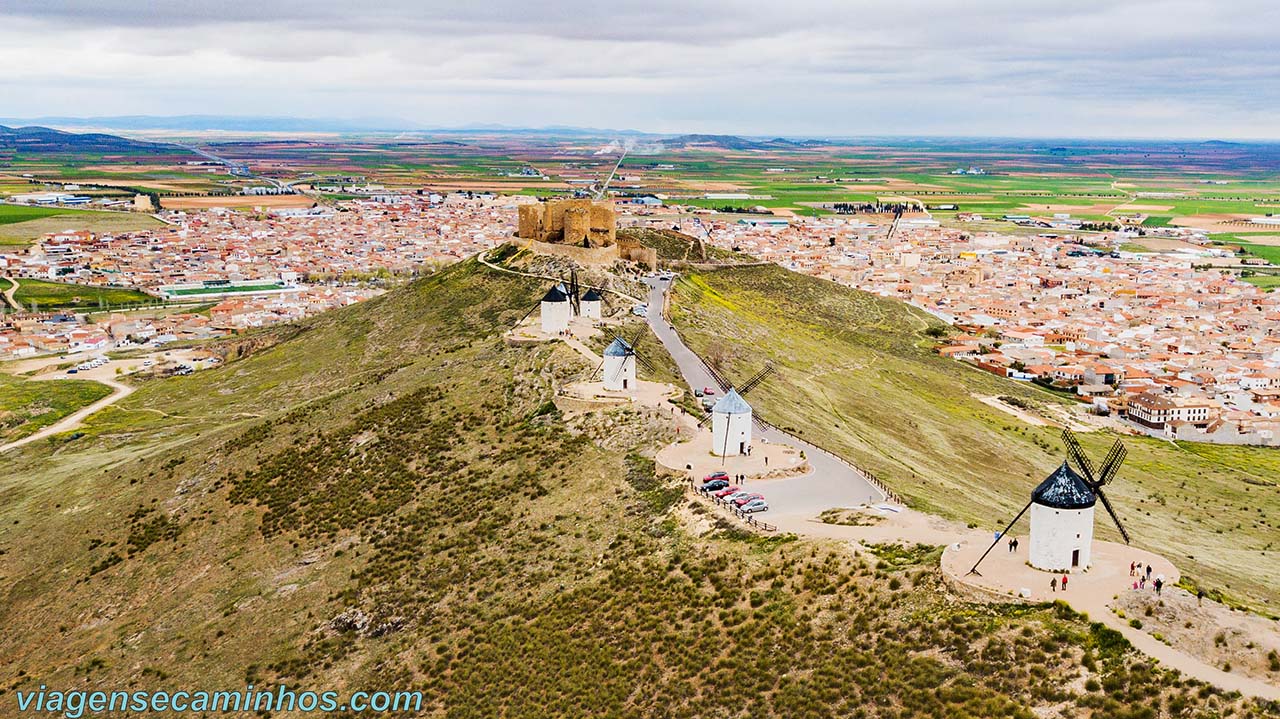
[
  {"x": 730, "y": 425},
  {"x": 619, "y": 366},
  {"x": 1062, "y": 521},
  {"x": 556, "y": 311}
]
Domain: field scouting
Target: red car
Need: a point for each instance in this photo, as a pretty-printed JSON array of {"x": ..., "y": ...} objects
[
  {"x": 721, "y": 493},
  {"x": 708, "y": 390},
  {"x": 748, "y": 498},
  {"x": 715, "y": 475}
]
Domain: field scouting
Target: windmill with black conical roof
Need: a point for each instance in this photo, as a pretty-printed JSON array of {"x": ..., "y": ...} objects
[{"x": 1062, "y": 509}]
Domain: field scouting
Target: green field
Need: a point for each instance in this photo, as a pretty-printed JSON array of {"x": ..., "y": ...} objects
[
  {"x": 385, "y": 496},
  {"x": 856, "y": 375},
  {"x": 20, "y": 225},
  {"x": 27, "y": 406},
  {"x": 1266, "y": 282},
  {"x": 45, "y": 295}
]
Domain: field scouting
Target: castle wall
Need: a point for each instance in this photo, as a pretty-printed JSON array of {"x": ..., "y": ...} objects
[{"x": 577, "y": 253}]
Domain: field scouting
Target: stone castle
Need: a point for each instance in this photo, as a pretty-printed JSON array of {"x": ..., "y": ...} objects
[{"x": 582, "y": 223}]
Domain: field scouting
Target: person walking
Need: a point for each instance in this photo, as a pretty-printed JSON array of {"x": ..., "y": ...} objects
[
  {"x": 1015, "y": 544},
  {"x": 1064, "y": 582},
  {"x": 1159, "y": 585},
  {"x": 1132, "y": 566},
  {"x": 1148, "y": 571},
  {"x": 1010, "y": 545},
  {"x": 1053, "y": 584}
]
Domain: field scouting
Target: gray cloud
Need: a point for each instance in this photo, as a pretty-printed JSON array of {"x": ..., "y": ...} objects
[{"x": 1089, "y": 67}]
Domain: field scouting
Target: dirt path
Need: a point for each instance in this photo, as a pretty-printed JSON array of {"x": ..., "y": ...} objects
[
  {"x": 1005, "y": 574},
  {"x": 74, "y": 419},
  {"x": 9, "y": 293}
]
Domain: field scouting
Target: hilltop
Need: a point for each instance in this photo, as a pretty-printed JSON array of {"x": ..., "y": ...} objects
[
  {"x": 36, "y": 139},
  {"x": 385, "y": 497},
  {"x": 858, "y": 376}
]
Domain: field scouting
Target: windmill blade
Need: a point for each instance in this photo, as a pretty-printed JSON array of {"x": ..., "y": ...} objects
[
  {"x": 638, "y": 337},
  {"x": 1111, "y": 464},
  {"x": 974, "y": 569},
  {"x": 705, "y": 419},
  {"x": 757, "y": 378},
  {"x": 621, "y": 366},
  {"x": 1077, "y": 453},
  {"x": 643, "y": 361},
  {"x": 536, "y": 305},
  {"x": 725, "y": 385},
  {"x": 1110, "y": 510}
]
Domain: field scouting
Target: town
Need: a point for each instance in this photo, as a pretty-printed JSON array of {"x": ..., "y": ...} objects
[{"x": 1163, "y": 341}]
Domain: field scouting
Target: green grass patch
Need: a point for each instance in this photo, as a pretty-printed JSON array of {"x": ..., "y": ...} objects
[{"x": 45, "y": 295}]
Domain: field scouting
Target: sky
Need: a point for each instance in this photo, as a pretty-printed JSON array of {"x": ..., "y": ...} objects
[{"x": 1081, "y": 68}]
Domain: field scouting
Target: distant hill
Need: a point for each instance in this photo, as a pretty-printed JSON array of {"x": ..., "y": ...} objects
[
  {"x": 734, "y": 142},
  {"x": 35, "y": 139}
]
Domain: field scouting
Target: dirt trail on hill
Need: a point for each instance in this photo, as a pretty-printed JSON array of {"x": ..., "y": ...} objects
[{"x": 74, "y": 419}]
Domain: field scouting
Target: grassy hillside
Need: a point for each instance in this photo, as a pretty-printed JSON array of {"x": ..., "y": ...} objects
[
  {"x": 858, "y": 377},
  {"x": 382, "y": 497},
  {"x": 27, "y": 406}
]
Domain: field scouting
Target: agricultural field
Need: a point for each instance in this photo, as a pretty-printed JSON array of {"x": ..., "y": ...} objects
[
  {"x": 20, "y": 225},
  {"x": 45, "y": 295},
  {"x": 333, "y": 507},
  {"x": 857, "y": 376},
  {"x": 27, "y": 406}
]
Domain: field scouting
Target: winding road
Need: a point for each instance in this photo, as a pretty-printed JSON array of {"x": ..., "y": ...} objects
[{"x": 832, "y": 483}]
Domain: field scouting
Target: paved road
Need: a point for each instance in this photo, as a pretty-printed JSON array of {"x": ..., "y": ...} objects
[{"x": 832, "y": 483}]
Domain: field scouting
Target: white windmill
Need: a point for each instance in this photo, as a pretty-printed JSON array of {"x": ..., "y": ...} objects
[
  {"x": 1062, "y": 510},
  {"x": 556, "y": 311},
  {"x": 731, "y": 417},
  {"x": 619, "y": 364}
]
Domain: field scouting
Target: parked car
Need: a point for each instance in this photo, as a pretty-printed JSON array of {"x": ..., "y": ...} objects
[
  {"x": 755, "y": 505},
  {"x": 698, "y": 393},
  {"x": 725, "y": 492},
  {"x": 73, "y": 370},
  {"x": 747, "y": 497},
  {"x": 715, "y": 484},
  {"x": 736, "y": 495},
  {"x": 708, "y": 390},
  {"x": 716, "y": 475}
]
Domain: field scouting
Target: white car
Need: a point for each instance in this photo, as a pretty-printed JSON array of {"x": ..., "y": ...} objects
[{"x": 755, "y": 505}]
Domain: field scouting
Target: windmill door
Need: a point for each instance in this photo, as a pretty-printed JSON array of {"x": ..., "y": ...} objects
[
  {"x": 1075, "y": 557},
  {"x": 624, "y": 384}
]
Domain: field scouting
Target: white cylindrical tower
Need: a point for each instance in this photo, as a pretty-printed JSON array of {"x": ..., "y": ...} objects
[
  {"x": 730, "y": 425},
  {"x": 619, "y": 366},
  {"x": 555, "y": 311},
  {"x": 590, "y": 304},
  {"x": 1062, "y": 522}
]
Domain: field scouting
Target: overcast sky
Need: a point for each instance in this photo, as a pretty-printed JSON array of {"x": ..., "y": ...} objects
[{"x": 1119, "y": 68}]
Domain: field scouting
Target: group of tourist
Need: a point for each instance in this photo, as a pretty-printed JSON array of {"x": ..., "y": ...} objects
[{"x": 1142, "y": 578}]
